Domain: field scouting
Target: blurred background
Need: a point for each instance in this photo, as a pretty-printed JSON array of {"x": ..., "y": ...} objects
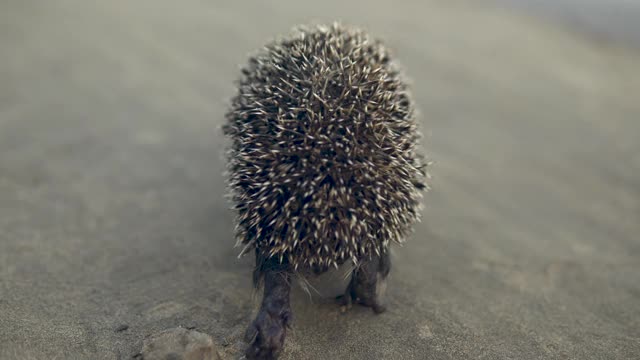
[{"x": 113, "y": 224}]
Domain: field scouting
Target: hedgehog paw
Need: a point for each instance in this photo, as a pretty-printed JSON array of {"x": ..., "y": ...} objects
[
  {"x": 365, "y": 287},
  {"x": 345, "y": 302},
  {"x": 266, "y": 335},
  {"x": 371, "y": 302}
]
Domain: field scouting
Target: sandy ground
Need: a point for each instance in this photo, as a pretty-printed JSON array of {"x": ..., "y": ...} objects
[
  {"x": 611, "y": 20},
  {"x": 111, "y": 188}
]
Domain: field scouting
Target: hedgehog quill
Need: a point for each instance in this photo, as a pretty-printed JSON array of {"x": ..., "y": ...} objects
[{"x": 323, "y": 168}]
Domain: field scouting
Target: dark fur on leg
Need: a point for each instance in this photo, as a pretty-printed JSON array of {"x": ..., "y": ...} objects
[
  {"x": 267, "y": 332},
  {"x": 365, "y": 281}
]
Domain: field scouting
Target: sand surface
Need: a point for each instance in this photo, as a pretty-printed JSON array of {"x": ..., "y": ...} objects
[{"x": 111, "y": 188}]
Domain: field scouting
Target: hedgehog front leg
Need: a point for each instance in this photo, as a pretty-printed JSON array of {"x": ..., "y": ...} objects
[
  {"x": 366, "y": 283},
  {"x": 267, "y": 332}
]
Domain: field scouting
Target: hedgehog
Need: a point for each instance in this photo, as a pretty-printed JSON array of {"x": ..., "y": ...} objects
[{"x": 323, "y": 168}]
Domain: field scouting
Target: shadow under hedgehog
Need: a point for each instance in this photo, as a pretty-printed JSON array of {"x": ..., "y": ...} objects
[{"x": 322, "y": 167}]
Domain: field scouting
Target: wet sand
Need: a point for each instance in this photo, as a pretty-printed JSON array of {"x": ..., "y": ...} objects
[{"x": 112, "y": 208}]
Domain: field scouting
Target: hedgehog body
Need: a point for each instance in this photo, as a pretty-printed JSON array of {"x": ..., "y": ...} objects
[{"x": 323, "y": 165}]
